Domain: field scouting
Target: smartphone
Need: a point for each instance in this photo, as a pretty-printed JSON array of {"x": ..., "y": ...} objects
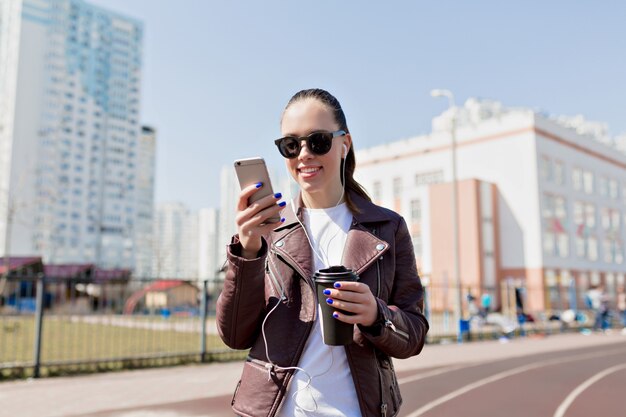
[{"x": 251, "y": 171}]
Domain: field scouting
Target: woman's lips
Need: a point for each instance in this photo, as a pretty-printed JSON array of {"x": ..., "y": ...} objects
[{"x": 309, "y": 172}]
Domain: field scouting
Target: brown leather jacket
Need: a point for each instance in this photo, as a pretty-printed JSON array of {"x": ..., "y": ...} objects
[{"x": 379, "y": 249}]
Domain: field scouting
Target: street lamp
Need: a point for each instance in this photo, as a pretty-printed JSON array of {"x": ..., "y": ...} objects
[{"x": 458, "y": 309}]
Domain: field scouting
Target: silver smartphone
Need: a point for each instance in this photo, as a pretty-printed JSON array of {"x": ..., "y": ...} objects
[{"x": 251, "y": 171}]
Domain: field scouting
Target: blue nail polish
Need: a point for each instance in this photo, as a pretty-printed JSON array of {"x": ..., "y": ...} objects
[
  {"x": 326, "y": 292},
  {"x": 335, "y": 315},
  {"x": 337, "y": 285},
  {"x": 278, "y": 195},
  {"x": 283, "y": 220},
  {"x": 329, "y": 300},
  {"x": 259, "y": 185},
  {"x": 282, "y": 203}
]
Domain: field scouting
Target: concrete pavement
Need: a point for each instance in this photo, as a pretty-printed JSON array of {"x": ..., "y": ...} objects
[{"x": 197, "y": 390}]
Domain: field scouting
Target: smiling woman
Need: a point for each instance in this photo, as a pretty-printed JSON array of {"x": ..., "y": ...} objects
[{"x": 270, "y": 304}]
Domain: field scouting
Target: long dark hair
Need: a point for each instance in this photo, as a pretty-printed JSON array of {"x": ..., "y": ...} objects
[{"x": 332, "y": 103}]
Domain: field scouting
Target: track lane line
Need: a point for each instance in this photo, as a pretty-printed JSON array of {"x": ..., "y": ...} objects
[
  {"x": 435, "y": 372},
  {"x": 501, "y": 375},
  {"x": 560, "y": 412}
]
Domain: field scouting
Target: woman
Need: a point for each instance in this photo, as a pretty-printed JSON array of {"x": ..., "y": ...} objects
[{"x": 269, "y": 305}]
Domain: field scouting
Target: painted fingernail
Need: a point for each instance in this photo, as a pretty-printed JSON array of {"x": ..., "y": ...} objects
[
  {"x": 326, "y": 292},
  {"x": 259, "y": 185},
  {"x": 282, "y": 203},
  {"x": 335, "y": 315},
  {"x": 329, "y": 300},
  {"x": 283, "y": 220},
  {"x": 337, "y": 285},
  {"x": 278, "y": 195}
]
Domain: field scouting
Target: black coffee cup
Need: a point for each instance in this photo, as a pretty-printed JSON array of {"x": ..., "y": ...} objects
[{"x": 334, "y": 332}]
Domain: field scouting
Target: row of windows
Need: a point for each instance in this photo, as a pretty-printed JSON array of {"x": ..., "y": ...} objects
[
  {"x": 422, "y": 178},
  {"x": 583, "y": 180},
  {"x": 556, "y": 235},
  {"x": 555, "y": 214}
]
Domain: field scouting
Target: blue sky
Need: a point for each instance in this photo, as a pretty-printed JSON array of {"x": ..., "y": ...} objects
[{"x": 217, "y": 74}]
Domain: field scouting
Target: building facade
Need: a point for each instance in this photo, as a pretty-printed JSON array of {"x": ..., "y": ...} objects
[
  {"x": 209, "y": 263},
  {"x": 542, "y": 205},
  {"x": 144, "y": 206},
  {"x": 175, "y": 249},
  {"x": 69, "y": 132}
]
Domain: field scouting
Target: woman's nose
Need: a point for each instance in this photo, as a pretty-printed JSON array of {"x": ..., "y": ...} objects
[{"x": 305, "y": 152}]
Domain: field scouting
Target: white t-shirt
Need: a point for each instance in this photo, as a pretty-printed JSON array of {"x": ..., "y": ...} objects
[{"x": 331, "y": 392}]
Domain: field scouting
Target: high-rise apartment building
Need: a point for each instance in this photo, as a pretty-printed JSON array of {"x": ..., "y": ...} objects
[{"x": 70, "y": 137}]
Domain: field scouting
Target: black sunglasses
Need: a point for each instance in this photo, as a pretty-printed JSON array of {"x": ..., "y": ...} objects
[{"x": 318, "y": 142}]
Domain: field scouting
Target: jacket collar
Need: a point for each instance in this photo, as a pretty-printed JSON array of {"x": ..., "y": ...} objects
[{"x": 362, "y": 247}]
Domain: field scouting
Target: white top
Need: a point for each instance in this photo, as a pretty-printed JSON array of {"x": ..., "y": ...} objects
[{"x": 331, "y": 392}]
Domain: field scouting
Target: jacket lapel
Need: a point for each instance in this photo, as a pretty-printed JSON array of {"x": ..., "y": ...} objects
[
  {"x": 290, "y": 242},
  {"x": 362, "y": 248}
]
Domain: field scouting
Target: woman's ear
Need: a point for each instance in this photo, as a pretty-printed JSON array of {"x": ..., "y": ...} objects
[{"x": 347, "y": 142}]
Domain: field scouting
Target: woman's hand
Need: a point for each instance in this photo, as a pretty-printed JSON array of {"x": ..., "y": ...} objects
[
  {"x": 353, "y": 297},
  {"x": 251, "y": 219}
]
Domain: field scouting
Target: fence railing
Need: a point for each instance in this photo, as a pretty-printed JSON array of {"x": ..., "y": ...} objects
[
  {"x": 50, "y": 326},
  {"x": 57, "y": 326}
]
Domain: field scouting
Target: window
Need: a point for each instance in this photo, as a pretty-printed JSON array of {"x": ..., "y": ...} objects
[
  {"x": 577, "y": 179},
  {"x": 592, "y": 249},
  {"x": 431, "y": 177},
  {"x": 613, "y": 189},
  {"x": 555, "y": 235},
  {"x": 416, "y": 211},
  {"x": 397, "y": 187},
  {"x": 588, "y": 182},
  {"x": 559, "y": 173},
  {"x": 546, "y": 168},
  {"x": 613, "y": 251},
  {"x": 584, "y": 222}
]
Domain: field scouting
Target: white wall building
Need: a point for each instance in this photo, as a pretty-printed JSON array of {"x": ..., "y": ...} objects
[
  {"x": 144, "y": 184},
  {"x": 70, "y": 76},
  {"x": 209, "y": 262},
  {"x": 175, "y": 249},
  {"x": 559, "y": 200}
]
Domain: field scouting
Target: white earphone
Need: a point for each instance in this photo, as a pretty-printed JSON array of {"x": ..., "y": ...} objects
[{"x": 345, "y": 150}]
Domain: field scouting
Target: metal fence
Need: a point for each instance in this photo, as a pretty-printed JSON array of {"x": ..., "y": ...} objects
[
  {"x": 59, "y": 326},
  {"x": 52, "y": 327},
  {"x": 509, "y": 310}
]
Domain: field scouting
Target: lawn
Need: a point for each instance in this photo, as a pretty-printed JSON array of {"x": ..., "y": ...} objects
[{"x": 101, "y": 338}]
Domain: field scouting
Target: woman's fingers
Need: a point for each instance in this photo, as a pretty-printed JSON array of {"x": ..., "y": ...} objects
[
  {"x": 245, "y": 195},
  {"x": 246, "y": 212},
  {"x": 355, "y": 298},
  {"x": 259, "y": 212}
]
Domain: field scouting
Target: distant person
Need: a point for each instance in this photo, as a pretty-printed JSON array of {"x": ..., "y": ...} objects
[
  {"x": 485, "y": 303},
  {"x": 598, "y": 301},
  {"x": 621, "y": 306},
  {"x": 472, "y": 306},
  {"x": 268, "y": 304}
]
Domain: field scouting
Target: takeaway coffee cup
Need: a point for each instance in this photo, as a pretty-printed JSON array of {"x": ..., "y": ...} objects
[{"x": 334, "y": 332}]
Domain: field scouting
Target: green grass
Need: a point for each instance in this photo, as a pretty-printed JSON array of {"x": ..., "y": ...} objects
[{"x": 70, "y": 339}]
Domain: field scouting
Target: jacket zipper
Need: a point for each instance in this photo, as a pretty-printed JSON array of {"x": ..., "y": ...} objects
[
  {"x": 383, "y": 404},
  {"x": 389, "y": 324},
  {"x": 309, "y": 327}
]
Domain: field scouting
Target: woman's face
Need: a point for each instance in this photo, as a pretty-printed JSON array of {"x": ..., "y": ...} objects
[{"x": 317, "y": 175}]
